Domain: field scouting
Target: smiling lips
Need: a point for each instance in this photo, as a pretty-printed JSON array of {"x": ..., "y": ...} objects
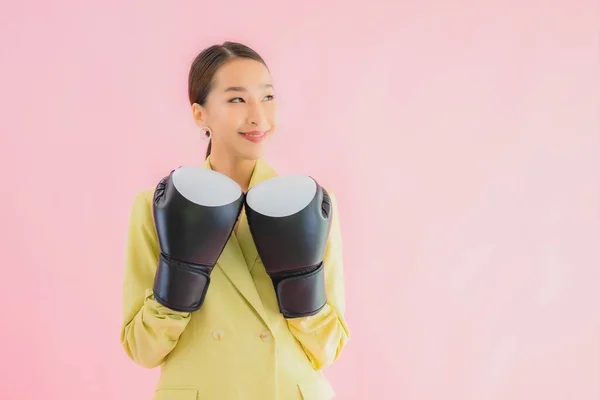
[{"x": 254, "y": 136}]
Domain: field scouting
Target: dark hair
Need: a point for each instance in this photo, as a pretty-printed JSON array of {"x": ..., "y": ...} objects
[{"x": 207, "y": 63}]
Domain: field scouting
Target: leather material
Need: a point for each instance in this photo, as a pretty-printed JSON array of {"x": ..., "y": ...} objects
[
  {"x": 292, "y": 249},
  {"x": 191, "y": 238},
  {"x": 180, "y": 286},
  {"x": 301, "y": 294}
]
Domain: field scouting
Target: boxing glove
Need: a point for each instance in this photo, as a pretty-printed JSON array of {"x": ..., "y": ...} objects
[
  {"x": 290, "y": 219},
  {"x": 195, "y": 210}
]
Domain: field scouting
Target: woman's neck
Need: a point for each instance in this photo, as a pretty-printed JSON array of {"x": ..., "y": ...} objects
[{"x": 239, "y": 170}]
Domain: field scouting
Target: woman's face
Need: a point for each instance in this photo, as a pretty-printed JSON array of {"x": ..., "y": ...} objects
[{"x": 240, "y": 110}]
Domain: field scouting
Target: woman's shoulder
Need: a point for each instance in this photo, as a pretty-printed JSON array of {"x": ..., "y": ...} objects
[
  {"x": 141, "y": 207},
  {"x": 144, "y": 196}
]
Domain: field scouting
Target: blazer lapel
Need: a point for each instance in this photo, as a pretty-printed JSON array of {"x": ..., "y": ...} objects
[
  {"x": 262, "y": 172},
  {"x": 240, "y": 254},
  {"x": 233, "y": 265}
]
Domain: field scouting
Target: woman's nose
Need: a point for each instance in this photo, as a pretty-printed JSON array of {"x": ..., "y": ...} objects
[{"x": 255, "y": 116}]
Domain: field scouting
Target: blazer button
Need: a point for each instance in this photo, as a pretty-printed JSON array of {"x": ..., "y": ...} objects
[
  {"x": 218, "y": 334},
  {"x": 265, "y": 335}
]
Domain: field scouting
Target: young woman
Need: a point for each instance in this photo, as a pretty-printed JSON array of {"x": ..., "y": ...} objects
[{"x": 234, "y": 277}]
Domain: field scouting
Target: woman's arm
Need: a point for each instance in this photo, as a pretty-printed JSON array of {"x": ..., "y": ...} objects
[
  {"x": 324, "y": 335},
  {"x": 149, "y": 331}
]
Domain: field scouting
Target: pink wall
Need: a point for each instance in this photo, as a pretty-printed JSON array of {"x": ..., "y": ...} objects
[{"x": 463, "y": 143}]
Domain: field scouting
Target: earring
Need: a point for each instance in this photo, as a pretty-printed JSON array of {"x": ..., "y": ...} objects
[{"x": 206, "y": 134}]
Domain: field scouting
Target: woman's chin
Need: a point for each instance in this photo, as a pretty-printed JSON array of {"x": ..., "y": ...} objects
[{"x": 253, "y": 150}]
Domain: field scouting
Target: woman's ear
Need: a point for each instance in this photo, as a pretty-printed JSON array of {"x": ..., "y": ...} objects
[{"x": 199, "y": 115}]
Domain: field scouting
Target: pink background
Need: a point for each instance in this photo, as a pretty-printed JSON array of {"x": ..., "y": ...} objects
[{"x": 462, "y": 139}]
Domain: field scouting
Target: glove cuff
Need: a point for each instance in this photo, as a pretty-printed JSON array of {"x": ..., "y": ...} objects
[
  {"x": 180, "y": 286},
  {"x": 302, "y": 295}
]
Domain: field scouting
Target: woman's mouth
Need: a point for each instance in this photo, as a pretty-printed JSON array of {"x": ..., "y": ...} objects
[{"x": 254, "y": 136}]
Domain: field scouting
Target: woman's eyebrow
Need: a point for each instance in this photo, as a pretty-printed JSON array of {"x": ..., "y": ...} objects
[{"x": 243, "y": 89}]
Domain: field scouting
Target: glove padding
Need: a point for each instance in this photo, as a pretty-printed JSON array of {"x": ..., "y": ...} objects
[
  {"x": 195, "y": 210},
  {"x": 290, "y": 219}
]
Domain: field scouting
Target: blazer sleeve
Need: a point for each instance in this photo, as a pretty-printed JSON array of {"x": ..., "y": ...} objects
[
  {"x": 324, "y": 335},
  {"x": 149, "y": 330}
]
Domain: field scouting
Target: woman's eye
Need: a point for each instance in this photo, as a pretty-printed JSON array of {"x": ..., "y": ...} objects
[{"x": 240, "y": 100}]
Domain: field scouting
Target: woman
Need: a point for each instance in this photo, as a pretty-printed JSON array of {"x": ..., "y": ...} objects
[{"x": 235, "y": 340}]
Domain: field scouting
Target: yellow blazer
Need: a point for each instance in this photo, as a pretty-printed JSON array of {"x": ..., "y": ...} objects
[{"x": 238, "y": 345}]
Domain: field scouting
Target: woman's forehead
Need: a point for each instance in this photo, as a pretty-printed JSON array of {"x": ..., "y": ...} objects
[{"x": 243, "y": 74}]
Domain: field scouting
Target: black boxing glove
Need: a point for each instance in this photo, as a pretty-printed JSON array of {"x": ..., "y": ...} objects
[
  {"x": 195, "y": 210},
  {"x": 290, "y": 219}
]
